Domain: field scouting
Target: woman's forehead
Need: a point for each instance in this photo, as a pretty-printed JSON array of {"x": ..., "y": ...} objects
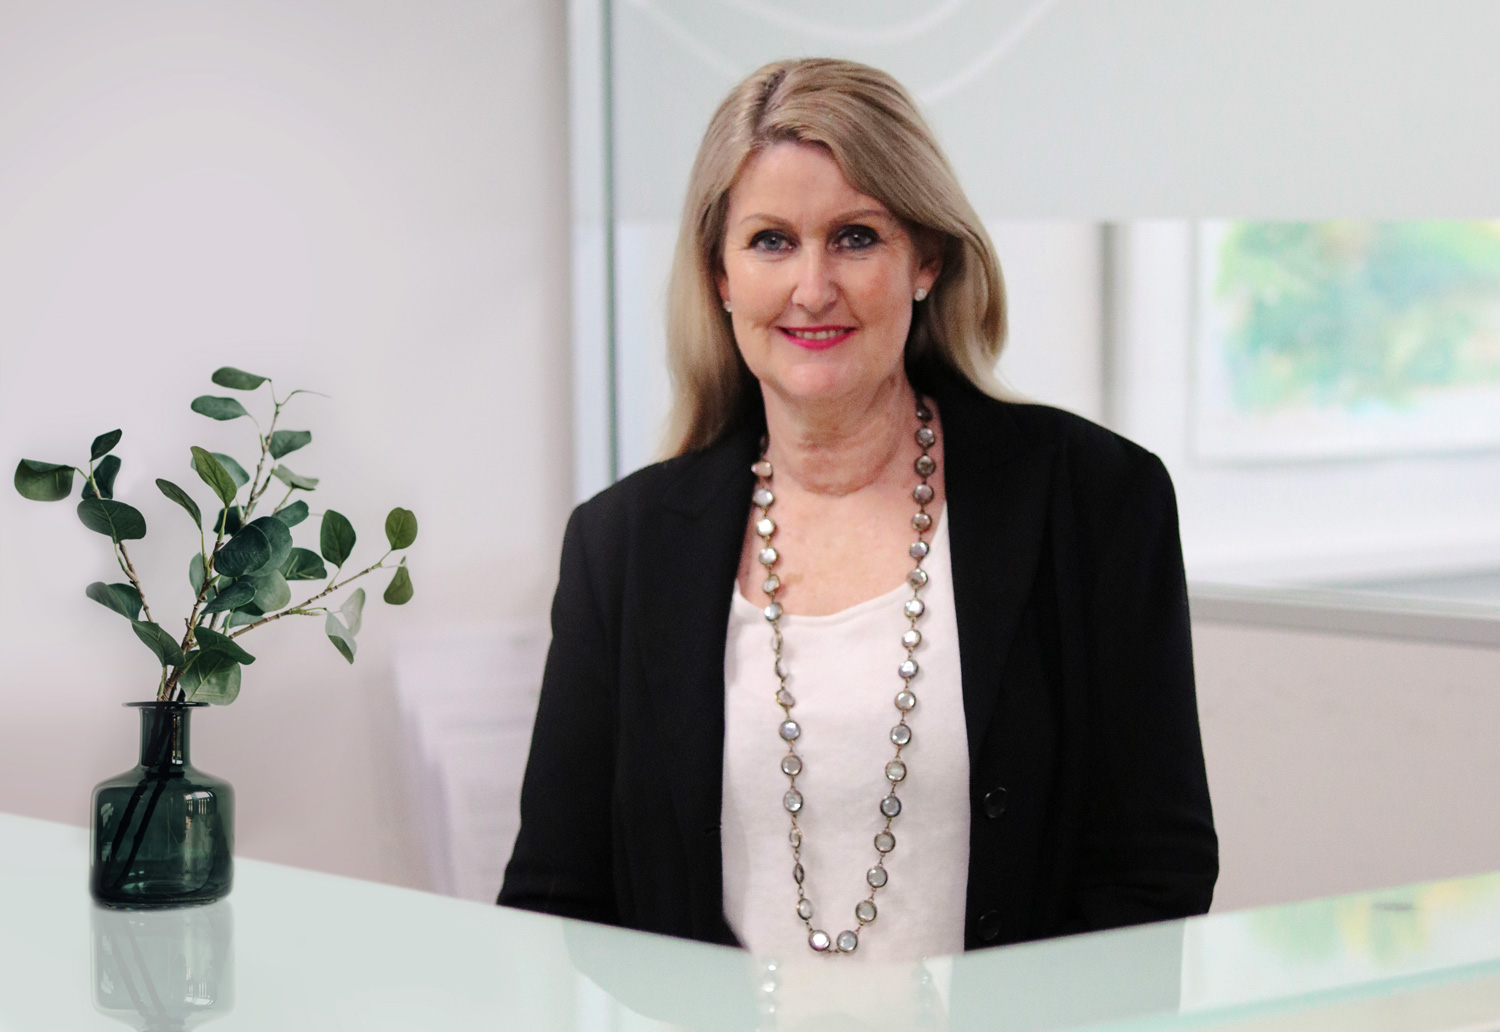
[{"x": 795, "y": 182}]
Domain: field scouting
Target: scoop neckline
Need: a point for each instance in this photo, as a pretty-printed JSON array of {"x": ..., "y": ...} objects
[{"x": 849, "y": 612}]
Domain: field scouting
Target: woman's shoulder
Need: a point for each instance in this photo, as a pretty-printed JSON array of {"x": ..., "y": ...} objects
[{"x": 1091, "y": 457}]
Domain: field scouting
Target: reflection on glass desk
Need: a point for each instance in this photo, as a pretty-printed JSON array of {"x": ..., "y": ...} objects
[{"x": 292, "y": 949}]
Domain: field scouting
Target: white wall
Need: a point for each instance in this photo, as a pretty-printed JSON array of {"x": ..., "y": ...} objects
[
  {"x": 364, "y": 199},
  {"x": 1342, "y": 763}
]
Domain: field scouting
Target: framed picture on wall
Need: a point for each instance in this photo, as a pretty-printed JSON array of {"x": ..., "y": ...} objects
[{"x": 1341, "y": 339}]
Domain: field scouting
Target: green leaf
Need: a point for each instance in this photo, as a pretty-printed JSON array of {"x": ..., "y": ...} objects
[
  {"x": 336, "y": 541},
  {"x": 236, "y": 379},
  {"x": 122, "y": 598},
  {"x": 196, "y": 573},
  {"x": 232, "y": 597},
  {"x": 113, "y": 519},
  {"x": 104, "y": 444},
  {"x": 234, "y": 469},
  {"x": 213, "y": 641},
  {"x": 340, "y": 636},
  {"x": 292, "y": 514},
  {"x": 247, "y": 552},
  {"x": 271, "y": 590},
  {"x": 43, "y": 481},
  {"x": 401, "y": 528},
  {"x": 104, "y": 476},
  {"x": 284, "y": 442},
  {"x": 278, "y": 535},
  {"x": 210, "y": 676},
  {"x": 303, "y": 564},
  {"x": 353, "y": 610},
  {"x": 244, "y": 617},
  {"x": 399, "y": 591},
  {"x": 218, "y": 408},
  {"x": 291, "y": 479},
  {"x": 182, "y": 498},
  {"x": 213, "y": 473},
  {"x": 229, "y": 521},
  {"x": 168, "y": 653}
]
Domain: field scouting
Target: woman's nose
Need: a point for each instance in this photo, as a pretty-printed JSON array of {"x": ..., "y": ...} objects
[{"x": 815, "y": 290}]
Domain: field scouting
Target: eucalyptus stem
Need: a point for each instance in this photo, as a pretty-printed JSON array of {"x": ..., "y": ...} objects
[
  {"x": 135, "y": 581},
  {"x": 299, "y": 609},
  {"x": 256, "y": 487},
  {"x": 192, "y": 620}
]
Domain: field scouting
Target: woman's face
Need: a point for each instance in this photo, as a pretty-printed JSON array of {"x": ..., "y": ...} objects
[{"x": 819, "y": 277}]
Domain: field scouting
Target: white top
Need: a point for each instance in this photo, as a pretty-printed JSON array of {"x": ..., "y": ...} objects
[{"x": 843, "y": 677}]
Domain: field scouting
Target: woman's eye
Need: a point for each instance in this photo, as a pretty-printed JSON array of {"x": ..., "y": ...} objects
[
  {"x": 770, "y": 240},
  {"x": 858, "y": 237}
]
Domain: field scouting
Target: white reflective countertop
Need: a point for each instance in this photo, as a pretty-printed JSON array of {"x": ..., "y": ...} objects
[{"x": 292, "y": 949}]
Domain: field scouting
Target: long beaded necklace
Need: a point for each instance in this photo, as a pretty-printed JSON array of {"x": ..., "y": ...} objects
[{"x": 791, "y": 764}]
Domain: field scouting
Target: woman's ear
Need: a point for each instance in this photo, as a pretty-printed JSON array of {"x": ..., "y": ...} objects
[
  {"x": 929, "y": 247},
  {"x": 721, "y": 280}
]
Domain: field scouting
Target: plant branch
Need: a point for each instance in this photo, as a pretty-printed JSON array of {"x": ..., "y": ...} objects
[
  {"x": 256, "y": 487},
  {"x": 209, "y": 576},
  {"x": 300, "y": 608},
  {"x": 135, "y": 581}
]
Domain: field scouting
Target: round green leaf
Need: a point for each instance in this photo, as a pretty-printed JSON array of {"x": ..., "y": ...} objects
[
  {"x": 103, "y": 444},
  {"x": 113, "y": 519},
  {"x": 234, "y": 469},
  {"x": 399, "y": 591},
  {"x": 218, "y": 408},
  {"x": 213, "y": 473},
  {"x": 196, "y": 572},
  {"x": 43, "y": 481},
  {"x": 212, "y": 640},
  {"x": 292, "y": 514},
  {"x": 401, "y": 528},
  {"x": 353, "y": 610},
  {"x": 247, "y": 552},
  {"x": 303, "y": 564},
  {"x": 284, "y": 442},
  {"x": 336, "y": 540},
  {"x": 104, "y": 476},
  {"x": 271, "y": 590},
  {"x": 236, "y": 379},
  {"x": 210, "y": 676},
  {"x": 229, "y": 521},
  {"x": 278, "y": 535},
  {"x": 182, "y": 498},
  {"x": 122, "y": 598},
  {"x": 340, "y": 636},
  {"x": 291, "y": 479},
  {"x": 168, "y": 652},
  {"x": 232, "y": 597}
]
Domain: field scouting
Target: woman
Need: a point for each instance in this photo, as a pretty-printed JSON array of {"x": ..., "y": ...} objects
[{"x": 877, "y": 663}]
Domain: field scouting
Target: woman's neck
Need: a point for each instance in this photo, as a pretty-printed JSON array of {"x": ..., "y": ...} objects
[{"x": 842, "y": 446}]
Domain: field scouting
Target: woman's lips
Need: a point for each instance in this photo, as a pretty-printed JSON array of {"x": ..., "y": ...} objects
[{"x": 816, "y": 338}]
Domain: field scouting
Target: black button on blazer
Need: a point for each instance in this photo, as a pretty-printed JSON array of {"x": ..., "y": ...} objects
[{"x": 1077, "y": 677}]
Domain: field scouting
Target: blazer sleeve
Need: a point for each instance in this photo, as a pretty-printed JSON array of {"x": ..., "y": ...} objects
[
  {"x": 562, "y": 863},
  {"x": 1149, "y": 851}
]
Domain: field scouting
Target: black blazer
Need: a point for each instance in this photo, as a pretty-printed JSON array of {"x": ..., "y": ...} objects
[{"x": 1089, "y": 799}]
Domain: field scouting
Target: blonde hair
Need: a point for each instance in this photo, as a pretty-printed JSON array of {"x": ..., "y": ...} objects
[{"x": 884, "y": 148}]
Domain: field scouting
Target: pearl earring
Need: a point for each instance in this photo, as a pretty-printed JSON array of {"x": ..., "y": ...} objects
[
  {"x": 921, "y": 294},
  {"x": 727, "y": 307}
]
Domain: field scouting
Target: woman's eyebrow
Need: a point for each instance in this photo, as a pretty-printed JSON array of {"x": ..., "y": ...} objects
[{"x": 843, "y": 217}]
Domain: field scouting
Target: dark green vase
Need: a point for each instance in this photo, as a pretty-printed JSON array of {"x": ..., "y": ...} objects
[{"x": 163, "y": 832}]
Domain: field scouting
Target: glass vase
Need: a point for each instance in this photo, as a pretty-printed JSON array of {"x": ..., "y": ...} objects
[{"x": 162, "y": 833}]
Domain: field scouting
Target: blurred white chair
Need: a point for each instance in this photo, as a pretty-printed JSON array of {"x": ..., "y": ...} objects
[{"x": 467, "y": 698}]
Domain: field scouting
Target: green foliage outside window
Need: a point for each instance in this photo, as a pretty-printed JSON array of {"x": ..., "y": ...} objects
[{"x": 1358, "y": 315}]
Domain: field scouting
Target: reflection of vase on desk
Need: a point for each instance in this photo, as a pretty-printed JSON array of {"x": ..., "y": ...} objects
[
  {"x": 163, "y": 832},
  {"x": 164, "y": 970}
]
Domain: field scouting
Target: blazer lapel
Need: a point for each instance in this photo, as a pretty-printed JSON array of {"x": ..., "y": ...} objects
[
  {"x": 997, "y": 486},
  {"x": 693, "y": 538}
]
